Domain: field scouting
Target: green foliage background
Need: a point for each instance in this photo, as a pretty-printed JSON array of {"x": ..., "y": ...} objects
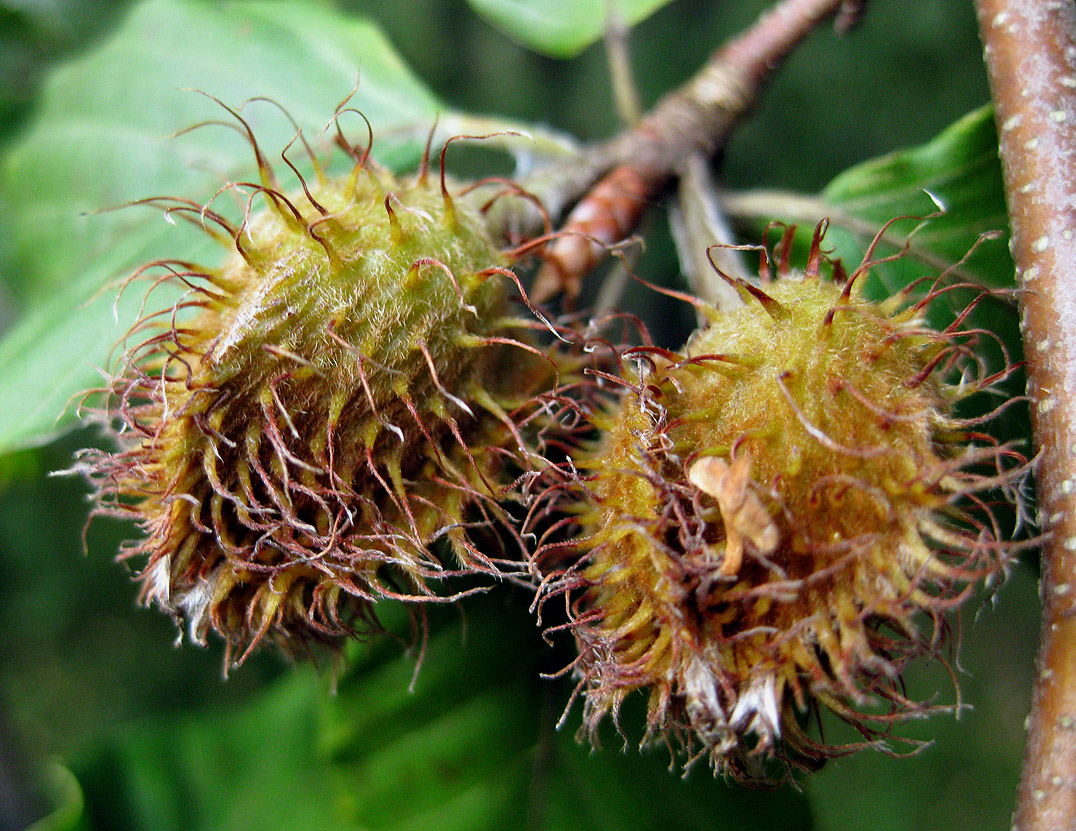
[{"x": 103, "y": 724}]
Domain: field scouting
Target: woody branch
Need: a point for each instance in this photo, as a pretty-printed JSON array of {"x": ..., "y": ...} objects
[
  {"x": 697, "y": 117},
  {"x": 1030, "y": 51}
]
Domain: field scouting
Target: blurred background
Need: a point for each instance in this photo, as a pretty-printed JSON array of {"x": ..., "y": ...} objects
[{"x": 85, "y": 674}]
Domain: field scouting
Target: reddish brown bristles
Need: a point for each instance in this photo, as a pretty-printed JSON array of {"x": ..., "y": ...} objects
[
  {"x": 334, "y": 416},
  {"x": 777, "y": 520}
]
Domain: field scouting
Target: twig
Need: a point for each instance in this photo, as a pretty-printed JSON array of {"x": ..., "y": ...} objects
[
  {"x": 618, "y": 57},
  {"x": 704, "y": 240},
  {"x": 699, "y": 115},
  {"x": 695, "y": 119},
  {"x": 1030, "y": 48}
]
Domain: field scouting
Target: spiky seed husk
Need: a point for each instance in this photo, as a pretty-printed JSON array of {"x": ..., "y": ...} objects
[
  {"x": 778, "y": 519},
  {"x": 340, "y": 411}
]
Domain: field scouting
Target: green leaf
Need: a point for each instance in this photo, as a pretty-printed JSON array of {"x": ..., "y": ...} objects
[
  {"x": 560, "y": 28},
  {"x": 958, "y": 170},
  {"x": 471, "y": 748},
  {"x": 101, "y": 138}
]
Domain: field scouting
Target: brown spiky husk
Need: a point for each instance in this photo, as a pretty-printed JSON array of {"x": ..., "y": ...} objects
[
  {"x": 332, "y": 417},
  {"x": 779, "y": 518}
]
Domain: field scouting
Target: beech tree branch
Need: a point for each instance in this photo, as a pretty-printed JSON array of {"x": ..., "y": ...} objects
[
  {"x": 699, "y": 115},
  {"x": 693, "y": 121},
  {"x": 1030, "y": 51}
]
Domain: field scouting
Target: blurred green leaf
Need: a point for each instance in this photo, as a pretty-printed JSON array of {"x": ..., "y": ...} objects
[
  {"x": 101, "y": 139},
  {"x": 560, "y": 28},
  {"x": 254, "y": 768},
  {"x": 473, "y": 747},
  {"x": 66, "y": 794}
]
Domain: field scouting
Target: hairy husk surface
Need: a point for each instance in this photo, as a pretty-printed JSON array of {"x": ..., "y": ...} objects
[
  {"x": 327, "y": 419},
  {"x": 776, "y": 521}
]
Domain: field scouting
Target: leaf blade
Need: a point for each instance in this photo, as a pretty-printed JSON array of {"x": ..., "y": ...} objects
[
  {"x": 560, "y": 28},
  {"x": 958, "y": 167},
  {"x": 471, "y": 748}
]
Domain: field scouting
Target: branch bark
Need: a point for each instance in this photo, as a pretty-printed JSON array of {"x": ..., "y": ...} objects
[{"x": 1030, "y": 52}]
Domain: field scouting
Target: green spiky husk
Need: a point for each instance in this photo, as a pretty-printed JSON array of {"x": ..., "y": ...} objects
[
  {"x": 333, "y": 419},
  {"x": 863, "y": 477}
]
